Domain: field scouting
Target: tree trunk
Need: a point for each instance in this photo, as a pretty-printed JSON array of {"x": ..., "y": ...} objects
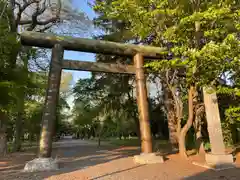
[
  {"x": 99, "y": 140},
  {"x": 20, "y": 103},
  {"x": 172, "y": 127},
  {"x": 3, "y": 134},
  {"x": 200, "y": 144},
  {"x": 137, "y": 128},
  {"x": 99, "y": 135},
  {"x": 198, "y": 131},
  {"x": 19, "y": 122},
  {"x": 187, "y": 126},
  {"x": 13, "y": 29}
]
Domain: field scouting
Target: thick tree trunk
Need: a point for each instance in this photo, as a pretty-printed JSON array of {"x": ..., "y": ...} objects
[
  {"x": 20, "y": 104},
  {"x": 137, "y": 127},
  {"x": 171, "y": 115},
  {"x": 3, "y": 141},
  {"x": 173, "y": 138},
  {"x": 198, "y": 131},
  {"x": 200, "y": 145},
  {"x": 19, "y": 122},
  {"x": 13, "y": 25},
  {"x": 187, "y": 126},
  {"x": 3, "y": 134}
]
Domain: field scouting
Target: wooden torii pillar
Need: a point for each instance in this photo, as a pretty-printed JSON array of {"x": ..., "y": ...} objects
[
  {"x": 147, "y": 156},
  {"x": 61, "y": 43},
  {"x": 51, "y": 101}
]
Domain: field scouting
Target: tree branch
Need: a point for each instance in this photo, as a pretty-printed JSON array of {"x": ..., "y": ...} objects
[
  {"x": 34, "y": 18},
  {"x": 22, "y": 9}
]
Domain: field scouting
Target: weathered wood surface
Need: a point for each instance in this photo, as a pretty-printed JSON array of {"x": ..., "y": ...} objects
[
  {"x": 142, "y": 101},
  {"x": 98, "y": 67},
  {"x": 89, "y": 45}
]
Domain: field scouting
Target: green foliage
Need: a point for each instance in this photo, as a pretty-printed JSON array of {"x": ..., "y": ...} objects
[
  {"x": 202, "y": 38},
  {"x": 233, "y": 113},
  {"x": 174, "y": 22},
  {"x": 8, "y": 47},
  {"x": 99, "y": 104}
]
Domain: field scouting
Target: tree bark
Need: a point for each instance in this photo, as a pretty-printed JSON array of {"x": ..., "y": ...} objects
[
  {"x": 171, "y": 116},
  {"x": 173, "y": 138},
  {"x": 19, "y": 122},
  {"x": 89, "y": 45},
  {"x": 20, "y": 103},
  {"x": 198, "y": 130},
  {"x": 187, "y": 126},
  {"x": 200, "y": 145},
  {"x": 3, "y": 134}
]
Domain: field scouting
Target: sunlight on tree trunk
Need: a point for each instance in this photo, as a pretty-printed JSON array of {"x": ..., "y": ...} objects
[
  {"x": 198, "y": 130},
  {"x": 187, "y": 126},
  {"x": 172, "y": 126}
]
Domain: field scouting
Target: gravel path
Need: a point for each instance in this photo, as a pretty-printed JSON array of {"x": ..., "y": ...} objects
[{"x": 80, "y": 160}]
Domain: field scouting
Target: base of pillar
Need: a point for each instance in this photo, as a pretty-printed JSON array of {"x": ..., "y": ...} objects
[
  {"x": 217, "y": 162},
  {"x": 148, "y": 158},
  {"x": 41, "y": 164}
]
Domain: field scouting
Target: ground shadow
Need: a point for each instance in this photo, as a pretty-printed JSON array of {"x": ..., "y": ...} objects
[
  {"x": 227, "y": 174},
  {"x": 70, "y": 159},
  {"x": 116, "y": 172},
  {"x": 79, "y": 158}
]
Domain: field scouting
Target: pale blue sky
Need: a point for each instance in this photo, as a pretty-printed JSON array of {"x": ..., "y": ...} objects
[{"x": 81, "y": 5}]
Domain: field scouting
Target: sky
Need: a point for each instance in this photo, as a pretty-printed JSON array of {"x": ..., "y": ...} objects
[{"x": 81, "y": 5}]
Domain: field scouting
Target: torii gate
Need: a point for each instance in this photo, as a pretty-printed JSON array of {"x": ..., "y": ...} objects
[{"x": 138, "y": 52}]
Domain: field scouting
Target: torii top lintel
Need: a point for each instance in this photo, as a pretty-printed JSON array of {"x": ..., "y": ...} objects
[{"x": 46, "y": 40}]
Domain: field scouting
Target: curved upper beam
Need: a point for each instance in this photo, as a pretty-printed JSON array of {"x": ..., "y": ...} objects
[{"x": 46, "y": 40}]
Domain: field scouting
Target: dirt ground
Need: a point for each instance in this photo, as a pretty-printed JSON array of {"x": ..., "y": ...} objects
[{"x": 82, "y": 160}]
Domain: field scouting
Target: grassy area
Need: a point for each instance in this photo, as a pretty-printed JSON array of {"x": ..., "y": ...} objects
[
  {"x": 125, "y": 142},
  {"x": 25, "y": 145},
  {"x": 134, "y": 142}
]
